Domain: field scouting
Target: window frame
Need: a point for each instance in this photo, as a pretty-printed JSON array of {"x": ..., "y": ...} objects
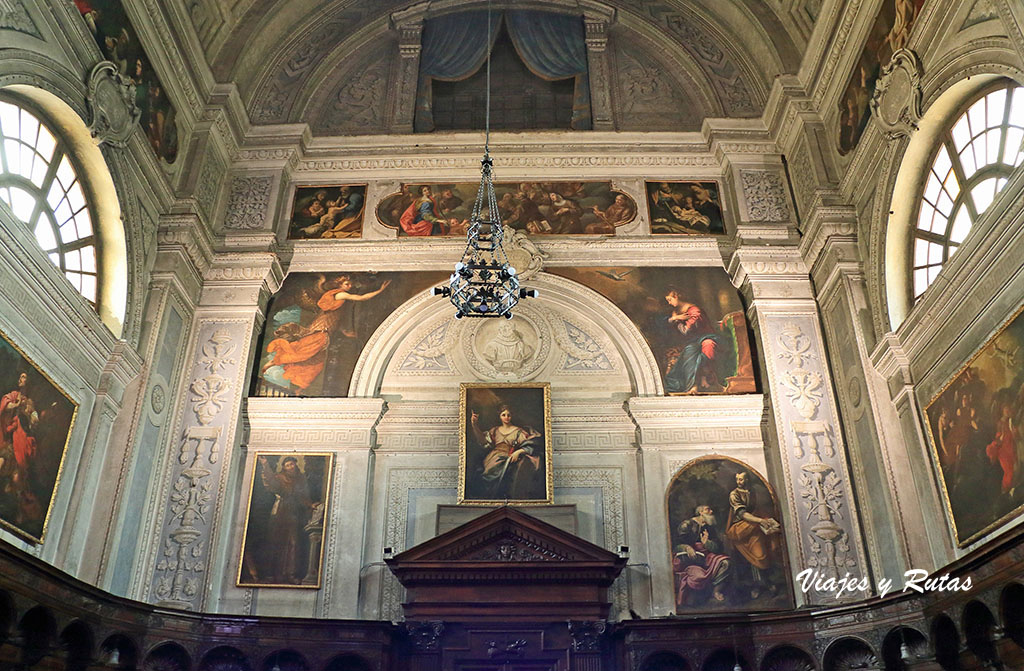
[{"x": 63, "y": 148}]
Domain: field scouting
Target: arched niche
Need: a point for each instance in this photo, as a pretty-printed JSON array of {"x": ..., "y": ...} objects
[{"x": 415, "y": 319}]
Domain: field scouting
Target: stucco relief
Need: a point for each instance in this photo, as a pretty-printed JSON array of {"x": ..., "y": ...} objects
[
  {"x": 15, "y": 17},
  {"x": 765, "y": 194},
  {"x": 355, "y": 102},
  {"x": 814, "y": 461},
  {"x": 512, "y": 349},
  {"x": 112, "y": 109},
  {"x": 649, "y": 96},
  {"x": 583, "y": 351},
  {"x": 896, "y": 103},
  {"x": 248, "y": 202},
  {"x": 430, "y": 353},
  {"x": 195, "y": 481}
]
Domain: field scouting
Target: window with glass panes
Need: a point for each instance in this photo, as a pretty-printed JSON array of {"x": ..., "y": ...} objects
[
  {"x": 39, "y": 182},
  {"x": 976, "y": 155}
]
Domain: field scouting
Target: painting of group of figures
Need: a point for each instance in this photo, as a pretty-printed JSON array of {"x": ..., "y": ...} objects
[
  {"x": 35, "y": 423},
  {"x": 889, "y": 33},
  {"x": 975, "y": 430},
  {"x": 117, "y": 39},
  {"x": 692, "y": 318},
  {"x": 284, "y": 526},
  {"x": 726, "y": 541},
  {"x": 538, "y": 208},
  {"x": 327, "y": 212},
  {"x": 318, "y": 323},
  {"x": 690, "y": 208}
]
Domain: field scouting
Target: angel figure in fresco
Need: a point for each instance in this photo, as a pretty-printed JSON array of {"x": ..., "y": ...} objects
[{"x": 301, "y": 351}]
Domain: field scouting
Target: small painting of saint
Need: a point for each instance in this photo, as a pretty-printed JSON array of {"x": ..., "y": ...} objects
[
  {"x": 727, "y": 543},
  {"x": 36, "y": 417},
  {"x": 327, "y": 212},
  {"x": 691, "y": 208},
  {"x": 284, "y": 528},
  {"x": 505, "y": 451}
]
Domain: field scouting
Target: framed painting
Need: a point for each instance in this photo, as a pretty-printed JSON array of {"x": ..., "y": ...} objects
[
  {"x": 36, "y": 417},
  {"x": 327, "y": 212},
  {"x": 283, "y": 542},
  {"x": 537, "y": 208},
  {"x": 505, "y": 444},
  {"x": 726, "y": 542},
  {"x": 975, "y": 436},
  {"x": 689, "y": 208}
]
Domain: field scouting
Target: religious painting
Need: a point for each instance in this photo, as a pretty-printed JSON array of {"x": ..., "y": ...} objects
[
  {"x": 889, "y": 33},
  {"x": 283, "y": 542},
  {"x": 974, "y": 427},
  {"x": 538, "y": 208},
  {"x": 726, "y": 542},
  {"x": 36, "y": 417},
  {"x": 505, "y": 444},
  {"x": 692, "y": 318},
  {"x": 689, "y": 208},
  {"x": 327, "y": 212},
  {"x": 108, "y": 22},
  {"x": 318, "y": 323}
]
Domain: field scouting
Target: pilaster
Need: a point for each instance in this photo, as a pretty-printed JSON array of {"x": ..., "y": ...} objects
[
  {"x": 596, "y": 20},
  {"x": 230, "y": 312},
  {"x": 820, "y": 510},
  {"x": 409, "y": 24}
]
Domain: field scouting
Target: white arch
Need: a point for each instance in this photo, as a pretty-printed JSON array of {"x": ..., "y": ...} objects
[{"x": 559, "y": 293}]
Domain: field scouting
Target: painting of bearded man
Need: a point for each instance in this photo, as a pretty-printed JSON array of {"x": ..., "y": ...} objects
[{"x": 283, "y": 540}]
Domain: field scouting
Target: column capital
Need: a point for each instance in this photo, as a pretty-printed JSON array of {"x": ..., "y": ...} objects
[{"x": 770, "y": 273}]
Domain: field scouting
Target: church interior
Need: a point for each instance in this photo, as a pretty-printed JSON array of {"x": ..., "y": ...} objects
[{"x": 748, "y": 409}]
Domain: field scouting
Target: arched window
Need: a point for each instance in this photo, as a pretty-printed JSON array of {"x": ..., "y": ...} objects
[
  {"x": 974, "y": 157},
  {"x": 40, "y": 183}
]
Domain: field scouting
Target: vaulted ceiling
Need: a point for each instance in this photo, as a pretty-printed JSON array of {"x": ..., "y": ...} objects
[{"x": 293, "y": 59}]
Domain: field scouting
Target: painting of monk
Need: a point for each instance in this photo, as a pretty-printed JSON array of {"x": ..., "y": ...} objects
[
  {"x": 284, "y": 527},
  {"x": 318, "y": 323},
  {"x": 974, "y": 427},
  {"x": 889, "y": 33},
  {"x": 692, "y": 318},
  {"x": 505, "y": 450},
  {"x": 327, "y": 212},
  {"x": 538, "y": 208},
  {"x": 725, "y": 538},
  {"x": 36, "y": 418},
  {"x": 689, "y": 208},
  {"x": 108, "y": 22}
]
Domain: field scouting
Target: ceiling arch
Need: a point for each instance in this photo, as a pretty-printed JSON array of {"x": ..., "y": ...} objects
[{"x": 280, "y": 54}]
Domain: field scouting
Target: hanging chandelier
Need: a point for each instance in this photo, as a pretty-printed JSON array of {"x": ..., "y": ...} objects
[{"x": 484, "y": 284}]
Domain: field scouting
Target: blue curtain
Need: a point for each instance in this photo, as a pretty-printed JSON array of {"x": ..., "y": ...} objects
[
  {"x": 552, "y": 46},
  {"x": 454, "y": 46}
]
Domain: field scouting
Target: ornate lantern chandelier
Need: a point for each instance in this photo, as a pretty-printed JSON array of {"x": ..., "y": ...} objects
[{"x": 484, "y": 284}]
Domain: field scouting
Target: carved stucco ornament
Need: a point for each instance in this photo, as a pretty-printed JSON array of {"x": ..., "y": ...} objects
[
  {"x": 522, "y": 253},
  {"x": 896, "y": 103},
  {"x": 112, "y": 109}
]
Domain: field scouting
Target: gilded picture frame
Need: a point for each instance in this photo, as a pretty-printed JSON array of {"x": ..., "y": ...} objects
[
  {"x": 505, "y": 454},
  {"x": 283, "y": 534},
  {"x": 38, "y": 417},
  {"x": 970, "y": 425}
]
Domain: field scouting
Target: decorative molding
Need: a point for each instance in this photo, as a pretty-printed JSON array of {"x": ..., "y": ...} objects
[
  {"x": 765, "y": 194},
  {"x": 14, "y": 16},
  {"x": 896, "y": 103},
  {"x": 248, "y": 202},
  {"x": 113, "y": 114},
  {"x": 430, "y": 353},
  {"x": 210, "y": 178}
]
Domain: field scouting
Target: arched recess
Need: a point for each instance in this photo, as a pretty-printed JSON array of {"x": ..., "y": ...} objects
[
  {"x": 946, "y": 641},
  {"x": 978, "y": 626},
  {"x": 848, "y": 653},
  {"x": 951, "y": 84},
  {"x": 167, "y": 657},
  {"x": 38, "y": 631},
  {"x": 224, "y": 658},
  {"x": 1011, "y": 609},
  {"x": 557, "y": 293},
  {"x": 77, "y": 643},
  {"x": 348, "y": 662},
  {"x": 725, "y": 659},
  {"x": 60, "y": 96},
  {"x": 119, "y": 652},
  {"x": 788, "y": 658},
  {"x": 665, "y": 661},
  {"x": 901, "y": 647}
]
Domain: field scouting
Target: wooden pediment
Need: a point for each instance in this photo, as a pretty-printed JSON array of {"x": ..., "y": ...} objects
[{"x": 506, "y": 564}]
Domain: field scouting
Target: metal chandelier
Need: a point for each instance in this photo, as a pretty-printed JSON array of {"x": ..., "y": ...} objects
[{"x": 484, "y": 284}]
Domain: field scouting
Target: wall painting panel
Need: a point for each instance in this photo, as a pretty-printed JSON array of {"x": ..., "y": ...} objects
[
  {"x": 974, "y": 426},
  {"x": 327, "y": 212}
]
